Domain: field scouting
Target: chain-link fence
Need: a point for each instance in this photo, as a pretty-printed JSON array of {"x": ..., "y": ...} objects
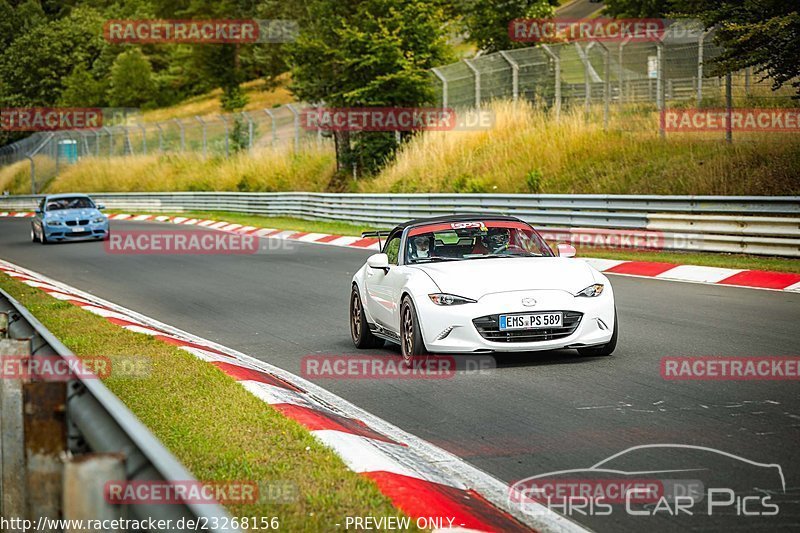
[
  {"x": 608, "y": 80},
  {"x": 211, "y": 136}
]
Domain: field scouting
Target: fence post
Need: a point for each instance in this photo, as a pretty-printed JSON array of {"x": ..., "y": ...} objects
[
  {"x": 249, "y": 130},
  {"x": 296, "y": 125},
  {"x": 728, "y": 108},
  {"x": 587, "y": 84},
  {"x": 439, "y": 75},
  {"x": 144, "y": 138},
  {"x": 514, "y": 75},
  {"x": 110, "y": 140},
  {"x": 606, "y": 81},
  {"x": 477, "y": 75},
  {"x": 700, "y": 46},
  {"x": 274, "y": 127},
  {"x": 203, "y": 124},
  {"x": 557, "y": 66},
  {"x": 227, "y": 137},
  {"x": 660, "y": 86},
  {"x": 622, "y": 70},
  {"x": 160, "y": 137},
  {"x": 97, "y": 142},
  {"x": 183, "y": 134},
  {"x": 747, "y": 81}
]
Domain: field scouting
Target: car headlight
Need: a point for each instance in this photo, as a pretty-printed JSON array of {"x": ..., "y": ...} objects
[
  {"x": 99, "y": 220},
  {"x": 449, "y": 299},
  {"x": 592, "y": 290},
  {"x": 54, "y": 223}
]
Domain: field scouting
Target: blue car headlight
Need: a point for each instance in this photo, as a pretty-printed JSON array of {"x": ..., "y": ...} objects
[
  {"x": 54, "y": 223},
  {"x": 99, "y": 220}
]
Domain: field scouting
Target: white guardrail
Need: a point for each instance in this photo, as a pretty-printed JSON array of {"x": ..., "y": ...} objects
[{"x": 764, "y": 225}]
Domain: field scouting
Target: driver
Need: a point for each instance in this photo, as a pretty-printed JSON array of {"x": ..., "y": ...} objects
[
  {"x": 497, "y": 239},
  {"x": 420, "y": 247}
]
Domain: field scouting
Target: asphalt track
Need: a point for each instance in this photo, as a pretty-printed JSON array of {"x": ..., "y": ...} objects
[{"x": 534, "y": 413}]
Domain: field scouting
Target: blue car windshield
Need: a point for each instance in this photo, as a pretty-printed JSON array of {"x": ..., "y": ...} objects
[{"x": 78, "y": 202}]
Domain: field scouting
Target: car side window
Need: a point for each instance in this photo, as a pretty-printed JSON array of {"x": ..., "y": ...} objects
[
  {"x": 392, "y": 249},
  {"x": 41, "y": 205}
]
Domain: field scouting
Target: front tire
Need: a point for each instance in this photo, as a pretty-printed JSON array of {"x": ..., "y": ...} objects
[
  {"x": 43, "y": 237},
  {"x": 359, "y": 328},
  {"x": 34, "y": 238},
  {"x": 411, "y": 342},
  {"x": 603, "y": 350}
]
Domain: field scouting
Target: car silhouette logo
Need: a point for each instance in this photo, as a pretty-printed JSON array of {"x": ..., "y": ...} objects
[{"x": 528, "y": 302}]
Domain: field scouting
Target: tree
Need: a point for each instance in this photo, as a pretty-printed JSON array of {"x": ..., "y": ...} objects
[
  {"x": 367, "y": 54},
  {"x": 486, "y": 21},
  {"x": 637, "y": 8},
  {"x": 82, "y": 90},
  {"x": 36, "y": 64},
  {"x": 131, "y": 83},
  {"x": 764, "y": 35}
]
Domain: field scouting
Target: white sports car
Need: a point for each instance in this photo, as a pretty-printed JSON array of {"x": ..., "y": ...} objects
[{"x": 476, "y": 284}]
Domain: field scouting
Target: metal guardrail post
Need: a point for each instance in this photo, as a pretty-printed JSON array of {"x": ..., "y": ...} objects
[
  {"x": 203, "y": 125},
  {"x": 514, "y": 75},
  {"x": 477, "y": 74},
  {"x": 84, "y": 487},
  {"x": 104, "y": 424},
  {"x": 557, "y": 81},
  {"x": 14, "y": 481},
  {"x": 438, "y": 74}
]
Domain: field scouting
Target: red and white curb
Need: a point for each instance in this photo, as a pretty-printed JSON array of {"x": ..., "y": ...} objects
[
  {"x": 754, "y": 279},
  {"x": 422, "y": 480}
]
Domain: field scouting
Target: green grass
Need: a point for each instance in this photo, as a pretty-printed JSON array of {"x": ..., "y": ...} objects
[
  {"x": 217, "y": 429},
  {"x": 724, "y": 260}
]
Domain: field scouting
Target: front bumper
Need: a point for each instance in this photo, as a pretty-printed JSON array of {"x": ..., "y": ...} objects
[
  {"x": 66, "y": 233},
  {"x": 450, "y": 329}
]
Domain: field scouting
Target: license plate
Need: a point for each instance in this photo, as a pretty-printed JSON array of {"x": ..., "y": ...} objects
[
  {"x": 77, "y": 229},
  {"x": 533, "y": 321}
]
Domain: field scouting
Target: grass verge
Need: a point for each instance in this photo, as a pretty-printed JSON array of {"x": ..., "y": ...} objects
[
  {"x": 217, "y": 429},
  {"x": 723, "y": 260}
]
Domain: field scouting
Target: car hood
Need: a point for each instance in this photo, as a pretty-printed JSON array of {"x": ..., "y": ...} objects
[
  {"x": 72, "y": 214},
  {"x": 475, "y": 278}
]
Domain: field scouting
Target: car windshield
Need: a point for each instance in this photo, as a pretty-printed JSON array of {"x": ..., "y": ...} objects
[
  {"x": 77, "y": 202},
  {"x": 459, "y": 241}
]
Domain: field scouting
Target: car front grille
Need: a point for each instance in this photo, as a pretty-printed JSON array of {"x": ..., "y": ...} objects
[
  {"x": 76, "y": 222},
  {"x": 489, "y": 328}
]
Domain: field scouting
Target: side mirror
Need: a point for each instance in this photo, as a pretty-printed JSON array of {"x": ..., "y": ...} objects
[
  {"x": 100, "y": 206},
  {"x": 37, "y": 211},
  {"x": 566, "y": 250},
  {"x": 380, "y": 261}
]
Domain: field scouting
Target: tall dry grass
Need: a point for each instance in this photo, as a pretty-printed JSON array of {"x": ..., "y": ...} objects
[
  {"x": 528, "y": 151},
  {"x": 267, "y": 169}
]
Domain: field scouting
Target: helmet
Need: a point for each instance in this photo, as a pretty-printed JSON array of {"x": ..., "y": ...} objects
[
  {"x": 421, "y": 245},
  {"x": 497, "y": 239}
]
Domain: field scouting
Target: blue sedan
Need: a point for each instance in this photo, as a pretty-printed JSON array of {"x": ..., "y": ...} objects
[{"x": 68, "y": 217}]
